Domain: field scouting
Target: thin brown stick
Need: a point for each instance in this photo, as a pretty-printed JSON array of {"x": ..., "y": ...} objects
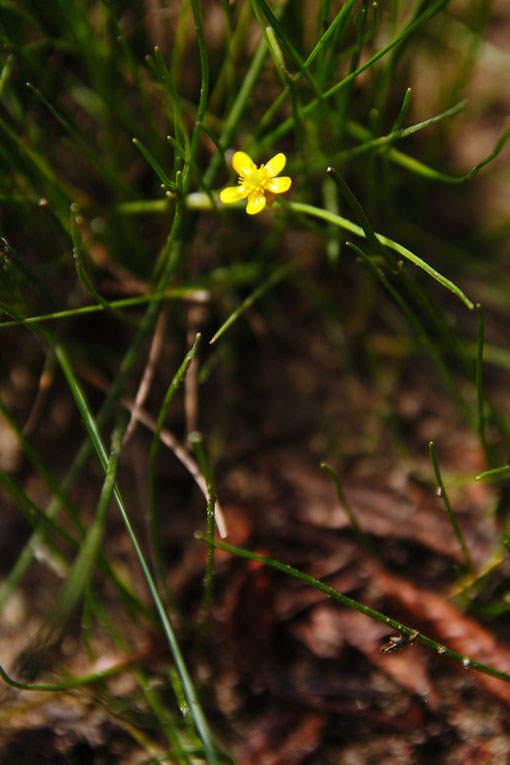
[
  {"x": 172, "y": 443},
  {"x": 184, "y": 457},
  {"x": 148, "y": 373}
]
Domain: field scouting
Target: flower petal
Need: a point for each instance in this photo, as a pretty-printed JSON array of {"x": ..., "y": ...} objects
[
  {"x": 276, "y": 164},
  {"x": 233, "y": 194},
  {"x": 256, "y": 203},
  {"x": 242, "y": 164},
  {"x": 279, "y": 185}
]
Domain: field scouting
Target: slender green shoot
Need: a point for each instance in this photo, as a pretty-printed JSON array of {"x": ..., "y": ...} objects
[
  {"x": 187, "y": 683},
  {"x": 414, "y": 319},
  {"x": 272, "y": 280},
  {"x": 344, "y": 600},
  {"x": 346, "y": 507},
  {"x": 204, "y": 90},
  {"x": 451, "y": 515},
  {"x": 79, "y": 256},
  {"x": 181, "y": 136},
  {"x": 79, "y": 575},
  {"x": 166, "y": 183},
  {"x": 153, "y": 455},
  {"x": 348, "y": 225},
  {"x": 132, "y": 302},
  {"x": 197, "y": 443},
  {"x": 112, "y": 177},
  {"x": 418, "y": 167},
  {"x": 67, "y": 685},
  {"x": 275, "y": 135},
  {"x": 402, "y": 113},
  {"x": 237, "y": 110},
  {"x": 479, "y": 380},
  {"x": 497, "y": 474},
  {"x": 384, "y": 142}
]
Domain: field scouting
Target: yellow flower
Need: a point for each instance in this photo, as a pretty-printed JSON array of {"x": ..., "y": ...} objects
[{"x": 259, "y": 184}]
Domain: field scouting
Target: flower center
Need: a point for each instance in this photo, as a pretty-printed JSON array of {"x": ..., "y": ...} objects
[{"x": 256, "y": 180}]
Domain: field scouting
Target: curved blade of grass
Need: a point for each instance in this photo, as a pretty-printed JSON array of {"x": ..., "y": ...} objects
[
  {"x": 479, "y": 382},
  {"x": 95, "y": 438},
  {"x": 408, "y": 283},
  {"x": 153, "y": 454},
  {"x": 354, "y": 604},
  {"x": 497, "y": 473},
  {"x": 197, "y": 442},
  {"x": 97, "y": 677},
  {"x": 78, "y": 256},
  {"x": 403, "y": 112},
  {"x": 276, "y": 276},
  {"x": 360, "y": 214},
  {"x": 80, "y": 572},
  {"x": 419, "y": 168},
  {"x": 351, "y": 517},
  {"x": 67, "y": 685},
  {"x": 174, "y": 293},
  {"x": 415, "y": 323},
  {"x": 451, "y": 515},
  {"x": 43, "y": 522},
  {"x": 383, "y": 142},
  {"x": 116, "y": 181},
  {"x": 348, "y": 225},
  {"x": 163, "y": 177}
]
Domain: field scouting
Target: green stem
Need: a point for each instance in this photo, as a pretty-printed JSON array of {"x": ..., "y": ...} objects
[
  {"x": 348, "y": 225},
  {"x": 73, "y": 682},
  {"x": 288, "y": 124},
  {"x": 479, "y": 382},
  {"x": 407, "y": 632},
  {"x": 197, "y": 444},
  {"x": 95, "y": 438},
  {"x": 451, "y": 515},
  {"x": 153, "y": 454},
  {"x": 204, "y": 89}
]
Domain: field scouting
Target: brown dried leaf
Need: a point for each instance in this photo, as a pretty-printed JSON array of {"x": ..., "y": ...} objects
[
  {"x": 407, "y": 513},
  {"x": 445, "y": 623},
  {"x": 284, "y": 739},
  {"x": 329, "y": 626}
]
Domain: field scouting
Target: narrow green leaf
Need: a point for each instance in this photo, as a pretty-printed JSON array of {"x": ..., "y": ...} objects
[
  {"x": 163, "y": 177},
  {"x": 407, "y": 632},
  {"x": 451, "y": 515},
  {"x": 348, "y": 225}
]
